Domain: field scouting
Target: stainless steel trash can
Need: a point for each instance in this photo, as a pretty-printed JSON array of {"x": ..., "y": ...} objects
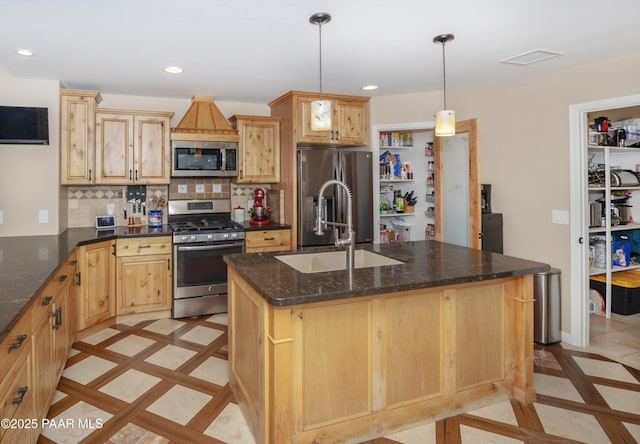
[{"x": 546, "y": 308}]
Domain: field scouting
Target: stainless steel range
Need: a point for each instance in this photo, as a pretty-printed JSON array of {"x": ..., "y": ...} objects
[{"x": 202, "y": 233}]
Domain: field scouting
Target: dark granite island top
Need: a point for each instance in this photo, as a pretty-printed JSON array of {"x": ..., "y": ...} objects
[
  {"x": 425, "y": 264},
  {"x": 340, "y": 357}
]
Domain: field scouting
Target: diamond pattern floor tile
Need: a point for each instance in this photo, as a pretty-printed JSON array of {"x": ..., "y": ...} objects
[
  {"x": 170, "y": 357},
  {"x": 88, "y": 369},
  {"x": 179, "y": 404},
  {"x": 74, "y": 424},
  {"x": 131, "y": 345},
  {"x": 181, "y": 393},
  {"x": 202, "y": 335}
]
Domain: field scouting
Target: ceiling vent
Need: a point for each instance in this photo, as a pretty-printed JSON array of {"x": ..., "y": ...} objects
[{"x": 535, "y": 56}]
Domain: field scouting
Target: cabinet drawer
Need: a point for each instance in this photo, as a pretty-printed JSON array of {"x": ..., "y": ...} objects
[
  {"x": 138, "y": 246},
  {"x": 267, "y": 240},
  {"x": 42, "y": 307},
  {"x": 16, "y": 388},
  {"x": 15, "y": 342}
]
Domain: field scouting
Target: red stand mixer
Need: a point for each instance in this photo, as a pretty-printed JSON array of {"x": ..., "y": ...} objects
[{"x": 259, "y": 212}]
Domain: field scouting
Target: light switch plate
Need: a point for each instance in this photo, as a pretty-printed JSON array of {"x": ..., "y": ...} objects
[
  {"x": 182, "y": 188},
  {"x": 43, "y": 216},
  {"x": 1, "y": 217},
  {"x": 199, "y": 188},
  {"x": 560, "y": 217}
]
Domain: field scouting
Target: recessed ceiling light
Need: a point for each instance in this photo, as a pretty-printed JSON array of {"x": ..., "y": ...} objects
[
  {"x": 173, "y": 69},
  {"x": 24, "y": 52},
  {"x": 369, "y": 87},
  {"x": 535, "y": 56}
]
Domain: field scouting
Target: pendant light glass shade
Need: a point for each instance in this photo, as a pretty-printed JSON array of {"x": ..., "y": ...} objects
[
  {"x": 445, "y": 123},
  {"x": 445, "y": 118},
  {"x": 321, "y": 115},
  {"x": 320, "y": 109}
]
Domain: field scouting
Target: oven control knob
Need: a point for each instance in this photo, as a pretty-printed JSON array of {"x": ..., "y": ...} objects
[
  {"x": 234, "y": 235},
  {"x": 225, "y": 235},
  {"x": 210, "y": 236},
  {"x": 193, "y": 237},
  {"x": 184, "y": 238}
]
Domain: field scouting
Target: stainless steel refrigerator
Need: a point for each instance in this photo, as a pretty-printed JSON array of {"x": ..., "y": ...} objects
[{"x": 315, "y": 166}]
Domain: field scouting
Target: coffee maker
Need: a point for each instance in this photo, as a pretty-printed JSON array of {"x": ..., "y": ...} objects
[{"x": 258, "y": 211}]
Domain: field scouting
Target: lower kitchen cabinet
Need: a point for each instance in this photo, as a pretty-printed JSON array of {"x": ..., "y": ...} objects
[
  {"x": 267, "y": 240},
  {"x": 143, "y": 274},
  {"x": 16, "y": 387},
  {"x": 96, "y": 292}
]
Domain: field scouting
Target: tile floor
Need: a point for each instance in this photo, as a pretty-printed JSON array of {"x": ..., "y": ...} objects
[{"x": 166, "y": 381}]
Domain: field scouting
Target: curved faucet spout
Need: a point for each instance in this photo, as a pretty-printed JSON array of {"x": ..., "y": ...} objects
[{"x": 349, "y": 241}]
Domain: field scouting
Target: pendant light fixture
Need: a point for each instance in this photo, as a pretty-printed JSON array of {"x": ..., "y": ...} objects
[
  {"x": 320, "y": 109},
  {"x": 445, "y": 118}
]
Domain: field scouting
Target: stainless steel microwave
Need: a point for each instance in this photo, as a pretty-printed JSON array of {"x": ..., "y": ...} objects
[{"x": 203, "y": 159}]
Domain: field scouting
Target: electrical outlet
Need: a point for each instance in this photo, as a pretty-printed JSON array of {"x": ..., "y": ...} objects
[
  {"x": 111, "y": 208},
  {"x": 1, "y": 217},
  {"x": 199, "y": 188},
  {"x": 43, "y": 216},
  {"x": 217, "y": 188},
  {"x": 182, "y": 188}
]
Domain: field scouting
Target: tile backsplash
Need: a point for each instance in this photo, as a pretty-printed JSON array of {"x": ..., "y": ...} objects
[{"x": 87, "y": 202}]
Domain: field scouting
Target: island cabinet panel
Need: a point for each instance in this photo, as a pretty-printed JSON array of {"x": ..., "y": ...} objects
[
  {"x": 480, "y": 336},
  {"x": 413, "y": 348},
  {"x": 332, "y": 363},
  {"x": 358, "y": 368},
  {"x": 247, "y": 364}
]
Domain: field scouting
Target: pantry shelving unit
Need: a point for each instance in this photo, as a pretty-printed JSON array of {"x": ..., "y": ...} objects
[
  {"x": 408, "y": 142},
  {"x": 608, "y": 158}
]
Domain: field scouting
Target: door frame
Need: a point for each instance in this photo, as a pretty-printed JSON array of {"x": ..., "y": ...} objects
[
  {"x": 579, "y": 228},
  {"x": 469, "y": 126}
]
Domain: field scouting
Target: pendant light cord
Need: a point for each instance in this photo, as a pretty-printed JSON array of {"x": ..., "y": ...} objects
[
  {"x": 444, "y": 77},
  {"x": 320, "y": 33}
]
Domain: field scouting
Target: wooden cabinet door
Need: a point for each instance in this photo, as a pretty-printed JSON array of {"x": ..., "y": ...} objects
[
  {"x": 152, "y": 149},
  {"x": 350, "y": 123},
  {"x": 114, "y": 140},
  {"x": 305, "y": 133},
  {"x": 143, "y": 283},
  {"x": 96, "y": 300},
  {"x": 259, "y": 149},
  {"x": 77, "y": 136},
  {"x": 44, "y": 373}
]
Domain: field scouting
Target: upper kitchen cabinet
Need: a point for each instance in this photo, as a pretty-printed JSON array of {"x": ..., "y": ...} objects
[
  {"x": 77, "y": 136},
  {"x": 349, "y": 120},
  {"x": 133, "y": 147},
  {"x": 258, "y": 149}
]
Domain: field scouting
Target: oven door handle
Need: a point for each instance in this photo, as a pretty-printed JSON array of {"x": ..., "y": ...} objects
[{"x": 210, "y": 247}]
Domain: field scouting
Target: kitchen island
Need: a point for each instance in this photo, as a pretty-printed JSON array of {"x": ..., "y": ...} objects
[{"x": 348, "y": 356}]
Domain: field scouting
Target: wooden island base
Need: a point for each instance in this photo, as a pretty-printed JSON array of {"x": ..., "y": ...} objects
[{"x": 354, "y": 369}]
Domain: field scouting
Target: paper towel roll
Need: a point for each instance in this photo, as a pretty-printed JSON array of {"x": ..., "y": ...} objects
[{"x": 238, "y": 215}]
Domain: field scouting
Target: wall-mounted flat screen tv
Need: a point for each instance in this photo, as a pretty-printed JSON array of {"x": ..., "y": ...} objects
[{"x": 24, "y": 125}]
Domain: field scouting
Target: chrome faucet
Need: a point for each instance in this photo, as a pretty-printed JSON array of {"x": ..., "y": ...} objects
[{"x": 349, "y": 241}]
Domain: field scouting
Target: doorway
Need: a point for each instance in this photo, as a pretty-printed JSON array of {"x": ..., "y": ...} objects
[{"x": 579, "y": 229}]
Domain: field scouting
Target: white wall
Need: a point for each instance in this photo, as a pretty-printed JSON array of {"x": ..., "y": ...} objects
[
  {"x": 29, "y": 173},
  {"x": 524, "y": 148}
]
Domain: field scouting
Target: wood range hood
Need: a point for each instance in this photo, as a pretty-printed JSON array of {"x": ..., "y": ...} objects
[{"x": 204, "y": 122}]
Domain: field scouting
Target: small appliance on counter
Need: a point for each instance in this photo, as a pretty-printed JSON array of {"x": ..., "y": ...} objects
[{"x": 259, "y": 212}]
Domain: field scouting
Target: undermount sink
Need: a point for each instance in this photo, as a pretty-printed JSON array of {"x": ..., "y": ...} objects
[{"x": 334, "y": 261}]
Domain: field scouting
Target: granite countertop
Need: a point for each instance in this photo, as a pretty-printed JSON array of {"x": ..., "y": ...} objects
[
  {"x": 26, "y": 262},
  {"x": 425, "y": 264}
]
